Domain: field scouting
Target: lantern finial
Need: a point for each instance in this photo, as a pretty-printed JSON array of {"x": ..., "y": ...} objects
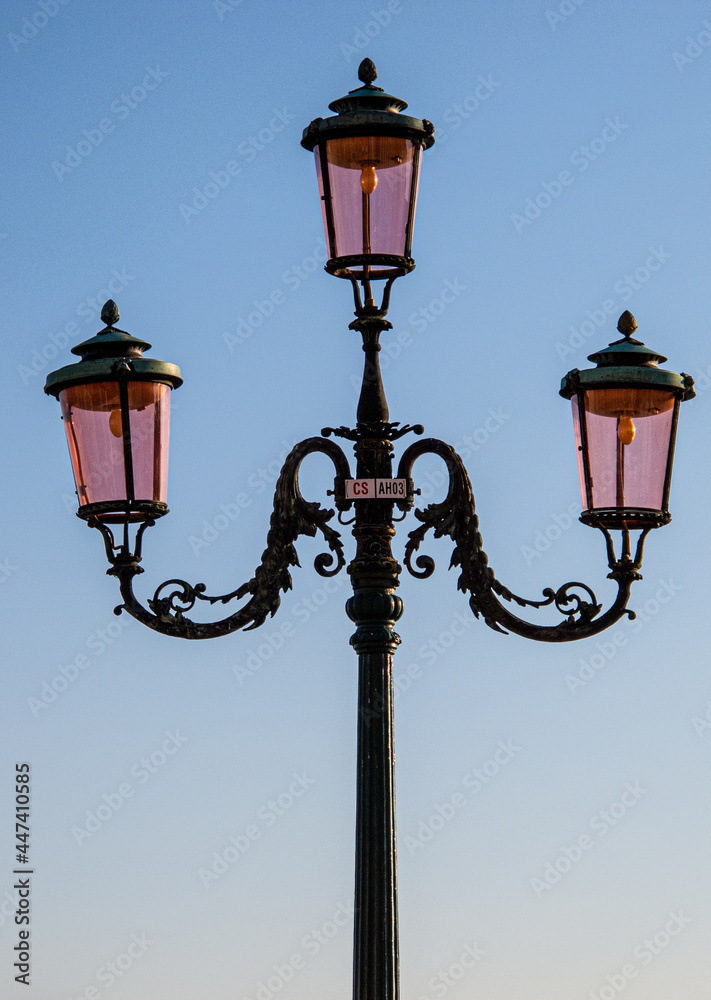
[
  {"x": 110, "y": 313},
  {"x": 367, "y": 72},
  {"x": 627, "y": 324}
]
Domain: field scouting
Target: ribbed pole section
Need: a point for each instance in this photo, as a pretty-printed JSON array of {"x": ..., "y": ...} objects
[{"x": 376, "y": 955}]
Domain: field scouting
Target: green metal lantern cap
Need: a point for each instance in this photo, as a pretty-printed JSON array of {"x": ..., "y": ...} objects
[
  {"x": 112, "y": 354},
  {"x": 626, "y": 363},
  {"x": 111, "y": 342},
  {"x": 627, "y": 350},
  {"x": 367, "y": 97},
  {"x": 368, "y": 109}
]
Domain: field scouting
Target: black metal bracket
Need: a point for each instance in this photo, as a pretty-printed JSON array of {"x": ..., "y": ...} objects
[
  {"x": 391, "y": 431},
  {"x": 292, "y": 516},
  {"x": 455, "y": 517}
]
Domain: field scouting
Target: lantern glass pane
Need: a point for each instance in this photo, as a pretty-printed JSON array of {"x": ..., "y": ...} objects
[
  {"x": 94, "y": 426},
  {"x": 370, "y": 180},
  {"x": 149, "y": 417},
  {"x": 319, "y": 176},
  {"x": 579, "y": 449},
  {"x": 628, "y": 434}
]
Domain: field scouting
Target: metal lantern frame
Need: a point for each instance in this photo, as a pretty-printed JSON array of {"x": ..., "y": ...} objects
[
  {"x": 626, "y": 364},
  {"x": 367, "y": 112},
  {"x": 115, "y": 356}
]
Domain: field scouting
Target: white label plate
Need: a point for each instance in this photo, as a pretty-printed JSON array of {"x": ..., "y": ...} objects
[{"x": 376, "y": 489}]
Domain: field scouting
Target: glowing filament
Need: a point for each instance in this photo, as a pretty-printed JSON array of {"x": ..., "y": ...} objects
[
  {"x": 368, "y": 180},
  {"x": 626, "y": 430},
  {"x": 115, "y": 423}
]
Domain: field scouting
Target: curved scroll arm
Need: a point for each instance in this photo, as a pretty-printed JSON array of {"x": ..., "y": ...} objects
[
  {"x": 455, "y": 516},
  {"x": 292, "y": 516}
]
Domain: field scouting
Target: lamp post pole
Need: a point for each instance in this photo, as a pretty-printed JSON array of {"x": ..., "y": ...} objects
[
  {"x": 115, "y": 407},
  {"x": 374, "y": 608}
]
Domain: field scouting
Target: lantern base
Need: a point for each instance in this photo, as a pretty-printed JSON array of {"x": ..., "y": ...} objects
[
  {"x": 373, "y": 266},
  {"x": 123, "y": 511},
  {"x": 625, "y": 517}
]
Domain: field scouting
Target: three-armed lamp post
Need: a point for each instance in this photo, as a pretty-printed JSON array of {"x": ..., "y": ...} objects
[{"x": 115, "y": 406}]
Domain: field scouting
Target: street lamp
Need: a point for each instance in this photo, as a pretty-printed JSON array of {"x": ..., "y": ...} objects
[
  {"x": 115, "y": 408},
  {"x": 116, "y": 412},
  {"x": 625, "y": 413},
  {"x": 368, "y": 167}
]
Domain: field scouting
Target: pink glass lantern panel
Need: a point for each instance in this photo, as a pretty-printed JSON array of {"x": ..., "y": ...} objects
[
  {"x": 579, "y": 449},
  {"x": 95, "y": 434},
  {"x": 370, "y": 179},
  {"x": 319, "y": 176},
  {"x": 149, "y": 416},
  {"x": 628, "y": 437}
]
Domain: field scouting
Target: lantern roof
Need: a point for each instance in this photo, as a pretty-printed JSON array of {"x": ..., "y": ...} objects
[
  {"x": 368, "y": 110},
  {"x": 111, "y": 342},
  {"x": 627, "y": 362},
  {"x": 367, "y": 97},
  {"x": 627, "y": 350},
  {"x": 109, "y": 355}
]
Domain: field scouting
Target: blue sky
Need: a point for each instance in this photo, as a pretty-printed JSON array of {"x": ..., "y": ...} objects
[{"x": 569, "y": 182}]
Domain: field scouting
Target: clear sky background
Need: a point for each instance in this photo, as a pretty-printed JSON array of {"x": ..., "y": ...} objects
[{"x": 616, "y": 93}]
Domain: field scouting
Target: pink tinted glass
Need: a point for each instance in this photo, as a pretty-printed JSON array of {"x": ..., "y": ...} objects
[
  {"x": 92, "y": 420},
  {"x": 579, "y": 451},
  {"x": 149, "y": 417},
  {"x": 624, "y": 472},
  {"x": 388, "y": 204}
]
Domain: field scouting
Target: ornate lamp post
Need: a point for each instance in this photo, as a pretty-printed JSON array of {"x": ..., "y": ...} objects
[{"x": 115, "y": 409}]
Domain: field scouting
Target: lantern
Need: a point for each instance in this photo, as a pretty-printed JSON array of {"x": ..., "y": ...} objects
[
  {"x": 116, "y": 413},
  {"x": 625, "y": 413},
  {"x": 368, "y": 165}
]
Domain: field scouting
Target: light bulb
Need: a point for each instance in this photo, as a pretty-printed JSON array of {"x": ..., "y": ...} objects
[
  {"x": 115, "y": 423},
  {"x": 368, "y": 180},
  {"x": 626, "y": 430}
]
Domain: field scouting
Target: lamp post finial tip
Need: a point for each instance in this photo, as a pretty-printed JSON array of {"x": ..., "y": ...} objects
[
  {"x": 627, "y": 324},
  {"x": 110, "y": 313},
  {"x": 367, "y": 72}
]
